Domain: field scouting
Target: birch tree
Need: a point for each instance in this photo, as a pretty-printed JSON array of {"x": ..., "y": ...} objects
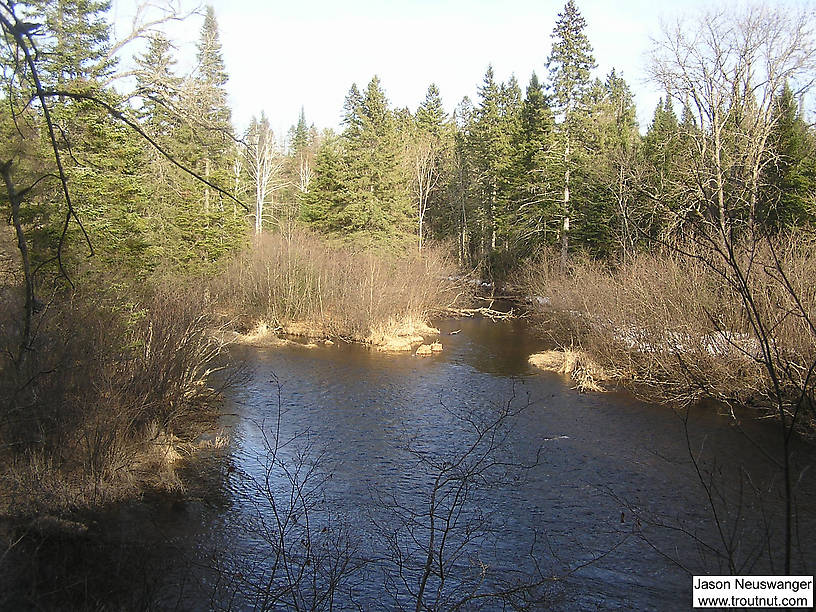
[
  {"x": 264, "y": 164},
  {"x": 426, "y": 155}
]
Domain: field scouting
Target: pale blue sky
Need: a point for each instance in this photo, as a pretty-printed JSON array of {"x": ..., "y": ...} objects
[{"x": 282, "y": 55}]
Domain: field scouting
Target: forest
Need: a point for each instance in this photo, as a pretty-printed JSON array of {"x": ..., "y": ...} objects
[{"x": 141, "y": 233}]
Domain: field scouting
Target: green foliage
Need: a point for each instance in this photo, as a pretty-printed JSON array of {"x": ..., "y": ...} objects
[
  {"x": 74, "y": 44},
  {"x": 536, "y": 204},
  {"x": 571, "y": 60},
  {"x": 491, "y": 136},
  {"x": 789, "y": 195},
  {"x": 360, "y": 192},
  {"x": 431, "y": 115}
]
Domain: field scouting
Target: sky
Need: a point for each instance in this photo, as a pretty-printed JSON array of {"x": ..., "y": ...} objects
[{"x": 282, "y": 55}]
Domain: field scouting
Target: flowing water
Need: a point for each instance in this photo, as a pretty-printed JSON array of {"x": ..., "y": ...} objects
[{"x": 613, "y": 507}]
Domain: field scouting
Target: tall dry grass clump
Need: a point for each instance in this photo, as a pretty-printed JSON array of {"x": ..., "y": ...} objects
[
  {"x": 672, "y": 320},
  {"x": 95, "y": 408},
  {"x": 302, "y": 283}
]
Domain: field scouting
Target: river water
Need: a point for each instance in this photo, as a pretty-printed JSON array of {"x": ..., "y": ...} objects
[{"x": 609, "y": 508}]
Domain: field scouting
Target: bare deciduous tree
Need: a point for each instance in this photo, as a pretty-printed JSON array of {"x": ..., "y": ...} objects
[
  {"x": 265, "y": 165},
  {"x": 425, "y": 154},
  {"x": 726, "y": 68}
]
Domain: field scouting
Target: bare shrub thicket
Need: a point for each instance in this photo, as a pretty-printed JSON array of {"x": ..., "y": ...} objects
[
  {"x": 339, "y": 291},
  {"x": 96, "y": 409},
  {"x": 671, "y": 320}
]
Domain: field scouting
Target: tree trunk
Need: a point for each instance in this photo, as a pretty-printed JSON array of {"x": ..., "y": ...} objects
[
  {"x": 566, "y": 228},
  {"x": 14, "y": 200},
  {"x": 206, "y": 187}
]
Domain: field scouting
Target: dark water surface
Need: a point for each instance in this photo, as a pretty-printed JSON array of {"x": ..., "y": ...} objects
[{"x": 611, "y": 503}]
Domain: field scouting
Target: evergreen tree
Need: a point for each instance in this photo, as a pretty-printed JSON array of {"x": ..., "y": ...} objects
[
  {"x": 75, "y": 45},
  {"x": 214, "y": 129},
  {"x": 490, "y": 138},
  {"x": 327, "y": 190},
  {"x": 790, "y": 173},
  {"x": 366, "y": 197},
  {"x": 534, "y": 199},
  {"x": 158, "y": 87},
  {"x": 300, "y": 162},
  {"x": 352, "y": 112},
  {"x": 570, "y": 64},
  {"x": 662, "y": 156},
  {"x": 605, "y": 191},
  {"x": 431, "y": 115},
  {"x": 300, "y": 136},
  {"x": 426, "y": 152}
]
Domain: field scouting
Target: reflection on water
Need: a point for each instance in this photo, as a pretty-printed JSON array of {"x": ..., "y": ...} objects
[{"x": 611, "y": 466}]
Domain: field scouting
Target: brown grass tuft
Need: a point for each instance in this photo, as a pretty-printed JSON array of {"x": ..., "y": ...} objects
[{"x": 578, "y": 365}]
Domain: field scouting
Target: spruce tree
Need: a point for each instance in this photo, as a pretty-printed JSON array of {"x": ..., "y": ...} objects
[
  {"x": 570, "y": 64},
  {"x": 605, "y": 194},
  {"x": 366, "y": 196},
  {"x": 214, "y": 118},
  {"x": 534, "y": 199},
  {"x": 662, "y": 156},
  {"x": 431, "y": 115},
  {"x": 157, "y": 85},
  {"x": 488, "y": 145},
  {"x": 790, "y": 172},
  {"x": 75, "y": 43},
  {"x": 300, "y": 137}
]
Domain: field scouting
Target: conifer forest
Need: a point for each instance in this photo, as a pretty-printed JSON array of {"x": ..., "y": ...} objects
[{"x": 156, "y": 258}]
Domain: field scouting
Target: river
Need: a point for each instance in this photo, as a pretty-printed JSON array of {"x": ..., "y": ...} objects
[{"x": 609, "y": 508}]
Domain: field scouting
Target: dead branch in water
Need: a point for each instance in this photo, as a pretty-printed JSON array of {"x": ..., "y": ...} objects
[{"x": 494, "y": 315}]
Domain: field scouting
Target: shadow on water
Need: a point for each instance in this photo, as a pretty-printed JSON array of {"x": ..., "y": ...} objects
[{"x": 614, "y": 504}]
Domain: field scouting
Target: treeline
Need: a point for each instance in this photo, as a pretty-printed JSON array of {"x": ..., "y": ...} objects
[{"x": 560, "y": 164}]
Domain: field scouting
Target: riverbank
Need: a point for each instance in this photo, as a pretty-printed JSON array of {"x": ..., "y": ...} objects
[
  {"x": 117, "y": 385},
  {"x": 678, "y": 329}
]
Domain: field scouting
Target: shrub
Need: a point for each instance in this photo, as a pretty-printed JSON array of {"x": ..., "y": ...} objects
[
  {"x": 334, "y": 290},
  {"x": 673, "y": 322},
  {"x": 93, "y": 411}
]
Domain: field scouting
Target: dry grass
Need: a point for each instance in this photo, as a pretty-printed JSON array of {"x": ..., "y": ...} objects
[
  {"x": 99, "y": 408},
  {"x": 302, "y": 285},
  {"x": 578, "y": 365},
  {"x": 675, "y": 325}
]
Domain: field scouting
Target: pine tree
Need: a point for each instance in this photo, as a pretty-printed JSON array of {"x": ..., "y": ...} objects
[
  {"x": 101, "y": 158},
  {"x": 300, "y": 137},
  {"x": 327, "y": 190},
  {"x": 662, "y": 154},
  {"x": 431, "y": 115},
  {"x": 490, "y": 136},
  {"x": 570, "y": 64},
  {"x": 212, "y": 112},
  {"x": 158, "y": 86},
  {"x": 352, "y": 113},
  {"x": 366, "y": 194},
  {"x": 605, "y": 193}
]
